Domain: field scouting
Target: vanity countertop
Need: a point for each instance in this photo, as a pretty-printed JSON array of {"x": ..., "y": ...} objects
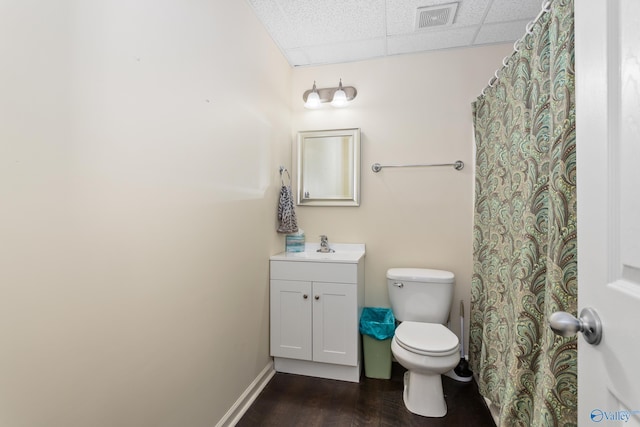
[{"x": 344, "y": 253}]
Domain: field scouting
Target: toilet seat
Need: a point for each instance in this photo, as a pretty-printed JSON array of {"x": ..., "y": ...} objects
[{"x": 428, "y": 339}]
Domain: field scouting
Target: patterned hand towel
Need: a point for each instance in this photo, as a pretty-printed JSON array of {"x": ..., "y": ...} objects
[{"x": 286, "y": 212}]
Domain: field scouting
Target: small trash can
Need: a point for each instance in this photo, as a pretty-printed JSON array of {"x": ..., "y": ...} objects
[{"x": 377, "y": 326}]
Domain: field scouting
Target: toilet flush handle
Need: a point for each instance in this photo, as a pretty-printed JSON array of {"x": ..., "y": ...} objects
[{"x": 398, "y": 285}]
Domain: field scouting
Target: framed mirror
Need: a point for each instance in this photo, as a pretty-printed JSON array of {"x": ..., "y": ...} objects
[{"x": 328, "y": 167}]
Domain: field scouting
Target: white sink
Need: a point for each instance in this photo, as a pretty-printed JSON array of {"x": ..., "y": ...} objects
[{"x": 343, "y": 252}]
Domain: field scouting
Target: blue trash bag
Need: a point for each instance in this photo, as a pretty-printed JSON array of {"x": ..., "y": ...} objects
[{"x": 377, "y": 322}]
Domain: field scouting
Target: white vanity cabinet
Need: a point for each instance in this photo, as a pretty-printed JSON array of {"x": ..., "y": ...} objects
[{"x": 316, "y": 301}]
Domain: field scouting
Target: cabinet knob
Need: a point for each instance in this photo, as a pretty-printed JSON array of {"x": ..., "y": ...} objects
[
  {"x": 305, "y": 296},
  {"x": 317, "y": 297}
]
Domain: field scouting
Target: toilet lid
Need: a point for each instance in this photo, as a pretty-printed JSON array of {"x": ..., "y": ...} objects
[
  {"x": 430, "y": 339},
  {"x": 420, "y": 275}
]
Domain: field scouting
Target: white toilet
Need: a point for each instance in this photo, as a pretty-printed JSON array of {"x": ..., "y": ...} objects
[{"x": 420, "y": 299}]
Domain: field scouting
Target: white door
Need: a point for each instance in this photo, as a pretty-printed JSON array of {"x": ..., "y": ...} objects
[
  {"x": 335, "y": 323},
  {"x": 291, "y": 319},
  {"x": 608, "y": 165}
]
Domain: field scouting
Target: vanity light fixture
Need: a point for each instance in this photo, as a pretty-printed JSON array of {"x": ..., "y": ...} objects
[
  {"x": 312, "y": 101},
  {"x": 337, "y": 96}
]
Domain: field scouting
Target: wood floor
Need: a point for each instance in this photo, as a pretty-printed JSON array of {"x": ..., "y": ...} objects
[{"x": 294, "y": 400}]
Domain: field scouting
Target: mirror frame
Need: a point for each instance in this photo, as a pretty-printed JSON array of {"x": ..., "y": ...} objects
[{"x": 353, "y": 133}]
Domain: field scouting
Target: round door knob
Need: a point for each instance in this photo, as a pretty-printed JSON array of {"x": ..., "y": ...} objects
[
  {"x": 564, "y": 324},
  {"x": 317, "y": 297},
  {"x": 305, "y": 296}
]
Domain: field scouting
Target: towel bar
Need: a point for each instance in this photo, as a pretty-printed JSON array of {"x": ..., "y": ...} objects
[{"x": 457, "y": 165}]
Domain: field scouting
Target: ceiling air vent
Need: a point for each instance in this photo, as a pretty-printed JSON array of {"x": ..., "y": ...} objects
[{"x": 435, "y": 16}]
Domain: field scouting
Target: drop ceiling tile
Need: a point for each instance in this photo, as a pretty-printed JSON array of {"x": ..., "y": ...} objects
[
  {"x": 500, "y": 33},
  {"x": 274, "y": 20},
  {"x": 470, "y": 12},
  {"x": 318, "y": 23},
  {"x": 430, "y": 40},
  {"x": 297, "y": 57},
  {"x": 311, "y": 32},
  {"x": 513, "y": 10},
  {"x": 401, "y": 14},
  {"x": 345, "y": 52}
]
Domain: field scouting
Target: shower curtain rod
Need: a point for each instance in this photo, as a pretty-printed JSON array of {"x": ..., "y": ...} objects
[{"x": 546, "y": 7}]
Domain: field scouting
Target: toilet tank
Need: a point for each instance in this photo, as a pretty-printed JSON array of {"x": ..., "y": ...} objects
[{"x": 420, "y": 294}]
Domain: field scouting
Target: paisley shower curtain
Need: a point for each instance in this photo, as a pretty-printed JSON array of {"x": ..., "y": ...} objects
[{"x": 525, "y": 265}]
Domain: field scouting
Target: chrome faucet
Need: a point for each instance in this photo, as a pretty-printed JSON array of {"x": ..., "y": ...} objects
[{"x": 324, "y": 245}]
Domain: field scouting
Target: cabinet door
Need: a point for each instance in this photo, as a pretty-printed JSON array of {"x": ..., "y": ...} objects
[
  {"x": 291, "y": 319},
  {"x": 335, "y": 323}
]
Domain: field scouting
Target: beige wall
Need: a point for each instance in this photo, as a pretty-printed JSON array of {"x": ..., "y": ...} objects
[
  {"x": 139, "y": 151},
  {"x": 411, "y": 109}
]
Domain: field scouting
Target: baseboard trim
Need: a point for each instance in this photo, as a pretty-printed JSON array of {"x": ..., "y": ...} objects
[
  {"x": 245, "y": 400},
  {"x": 316, "y": 369}
]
